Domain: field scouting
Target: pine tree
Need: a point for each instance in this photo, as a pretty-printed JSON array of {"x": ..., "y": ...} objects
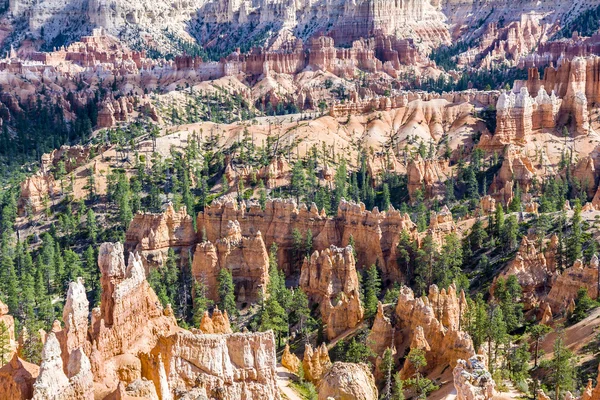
[
  {"x": 575, "y": 239},
  {"x": 262, "y": 193},
  {"x": 538, "y": 332},
  {"x": 561, "y": 367},
  {"x": 496, "y": 334},
  {"x": 298, "y": 181},
  {"x": 91, "y": 225},
  {"x": 386, "y": 367},
  {"x": 372, "y": 291},
  {"x": 171, "y": 278},
  {"x": 385, "y": 205},
  {"x": 499, "y": 220},
  {"x": 340, "y": 180},
  {"x": 508, "y": 293},
  {"x": 510, "y": 233},
  {"x": 92, "y": 275},
  {"x": 398, "y": 390},
  {"x": 274, "y": 317},
  {"x": 422, "y": 385},
  {"x": 4, "y": 343},
  {"x": 11, "y": 284},
  {"x": 226, "y": 292},
  {"x": 201, "y": 302}
]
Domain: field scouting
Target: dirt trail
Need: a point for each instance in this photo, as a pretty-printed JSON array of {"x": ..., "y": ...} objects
[{"x": 284, "y": 378}]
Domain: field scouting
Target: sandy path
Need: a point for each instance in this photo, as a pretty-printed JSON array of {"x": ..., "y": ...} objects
[{"x": 284, "y": 378}]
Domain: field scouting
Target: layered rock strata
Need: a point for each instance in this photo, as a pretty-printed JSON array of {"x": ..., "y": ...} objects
[
  {"x": 316, "y": 362},
  {"x": 567, "y": 284},
  {"x": 438, "y": 315},
  {"x": 329, "y": 278},
  {"x": 9, "y": 333},
  {"x": 246, "y": 257},
  {"x": 375, "y": 234},
  {"x": 228, "y": 366}
]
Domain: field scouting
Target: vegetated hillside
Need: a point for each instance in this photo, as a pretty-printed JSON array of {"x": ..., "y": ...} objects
[{"x": 382, "y": 216}]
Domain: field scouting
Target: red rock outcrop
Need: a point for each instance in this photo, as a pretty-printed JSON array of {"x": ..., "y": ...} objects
[
  {"x": 277, "y": 173},
  {"x": 329, "y": 278},
  {"x": 375, "y": 234},
  {"x": 53, "y": 383},
  {"x": 153, "y": 234},
  {"x": 565, "y": 288},
  {"x": 9, "y": 324},
  {"x": 347, "y": 381},
  {"x": 129, "y": 320},
  {"x": 519, "y": 115},
  {"x": 591, "y": 392},
  {"x": 315, "y": 363},
  {"x": 535, "y": 271},
  {"x": 472, "y": 381},
  {"x": 585, "y": 173},
  {"x": 290, "y": 360},
  {"x": 17, "y": 378},
  {"x": 230, "y": 366},
  {"x": 35, "y": 190},
  {"x": 574, "y": 81},
  {"x": 218, "y": 324},
  {"x": 439, "y": 316},
  {"x": 381, "y": 336},
  {"x": 516, "y": 169},
  {"x": 72, "y": 156},
  {"x": 487, "y": 205},
  {"x": 428, "y": 175},
  {"x": 246, "y": 257}
]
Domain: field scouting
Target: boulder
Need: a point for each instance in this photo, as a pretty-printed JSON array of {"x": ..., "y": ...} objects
[
  {"x": 472, "y": 381},
  {"x": 348, "y": 381}
]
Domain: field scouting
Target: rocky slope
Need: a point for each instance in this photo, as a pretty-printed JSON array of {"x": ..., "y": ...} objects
[{"x": 133, "y": 347}]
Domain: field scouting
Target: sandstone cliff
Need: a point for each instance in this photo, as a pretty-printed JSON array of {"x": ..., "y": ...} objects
[
  {"x": 438, "y": 315},
  {"x": 564, "y": 290},
  {"x": 9, "y": 325},
  {"x": 329, "y": 278},
  {"x": 375, "y": 234},
  {"x": 153, "y": 234},
  {"x": 245, "y": 257},
  {"x": 229, "y": 366}
]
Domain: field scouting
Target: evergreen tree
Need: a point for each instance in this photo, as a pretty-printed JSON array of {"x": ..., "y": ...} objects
[
  {"x": 386, "y": 367},
  {"x": 372, "y": 291},
  {"x": 510, "y": 232},
  {"x": 575, "y": 239},
  {"x": 561, "y": 368},
  {"x": 274, "y": 317},
  {"x": 11, "y": 289},
  {"x": 422, "y": 385},
  {"x": 385, "y": 204},
  {"x": 4, "y": 343},
  {"x": 496, "y": 334},
  {"x": 583, "y": 303},
  {"x": 537, "y": 333},
  {"x": 298, "y": 181},
  {"x": 398, "y": 390},
  {"x": 508, "y": 293},
  {"x": 226, "y": 292},
  {"x": 448, "y": 267},
  {"x": 340, "y": 181},
  {"x": 91, "y": 225},
  {"x": 499, "y": 220},
  {"x": 201, "y": 302}
]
